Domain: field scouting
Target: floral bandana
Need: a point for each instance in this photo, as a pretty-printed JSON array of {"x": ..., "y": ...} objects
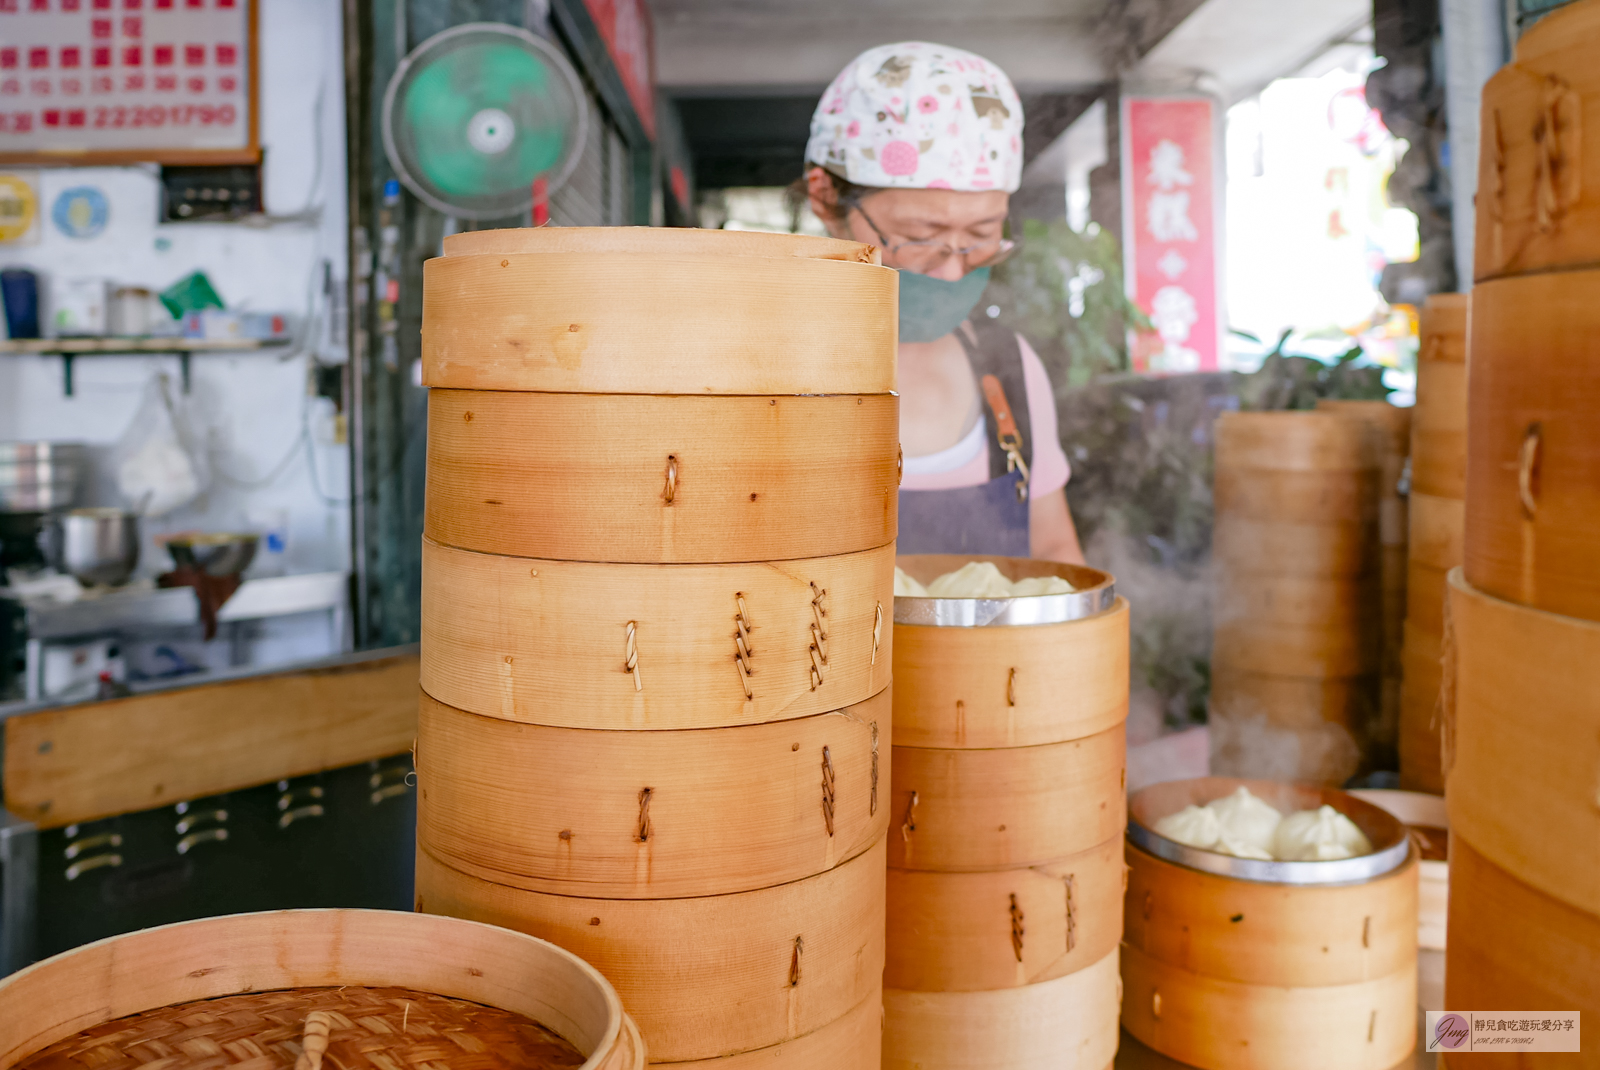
[{"x": 916, "y": 115}]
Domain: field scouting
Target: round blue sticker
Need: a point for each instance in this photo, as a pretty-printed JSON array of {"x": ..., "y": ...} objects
[{"x": 81, "y": 212}]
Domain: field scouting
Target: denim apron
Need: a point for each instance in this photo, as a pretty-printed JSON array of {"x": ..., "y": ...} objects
[{"x": 991, "y": 518}]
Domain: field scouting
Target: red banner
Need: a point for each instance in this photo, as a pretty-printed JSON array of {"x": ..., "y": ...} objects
[
  {"x": 1170, "y": 231},
  {"x": 625, "y": 25}
]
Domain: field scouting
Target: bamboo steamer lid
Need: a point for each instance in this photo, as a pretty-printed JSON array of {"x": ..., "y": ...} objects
[
  {"x": 1442, "y": 329},
  {"x": 286, "y": 949},
  {"x": 550, "y": 642},
  {"x": 1292, "y": 442},
  {"x": 639, "y": 478},
  {"x": 1533, "y": 460},
  {"x": 990, "y": 687},
  {"x": 1228, "y": 1025},
  {"x": 1243, "y": 547},
  {"x": 709, "y": 976},
  {"x": 1069, "y": 1023},
  {"x": 959, "y": 811},
  {"x": 658, "y": 311},
  {"x": 1279, "y": 935},
  {"x": 1538, "y": 169},
  {"x": 963, "y": 932},
  {"x": 1523, "y": 733},
  {"x": 1514, "y": 948},
  {"x": 685, "y": 813},
  {"x": 1438, "y": 527},
  {"x": 853, "y": 1042},
  {"x": 1293, "y": 701}
]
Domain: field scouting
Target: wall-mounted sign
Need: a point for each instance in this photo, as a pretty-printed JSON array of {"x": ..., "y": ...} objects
[
  {"x": 81, "y": 212},
  {"x": 1171, "y": 224},
  {"x": 19, "y": 207},
  {"x": 108, "y": 81},
  {"x": 625, "y": 25}
]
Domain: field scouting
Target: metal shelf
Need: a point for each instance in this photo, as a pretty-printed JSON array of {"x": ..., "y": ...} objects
[{"x": 68, "y": 349}]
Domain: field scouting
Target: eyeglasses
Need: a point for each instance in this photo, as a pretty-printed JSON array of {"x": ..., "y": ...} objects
[{"x": 927, "y": 256}]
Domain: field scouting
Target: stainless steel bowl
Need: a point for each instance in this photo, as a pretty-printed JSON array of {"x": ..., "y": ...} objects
[
  {"x": 40, "y": 476},
  {"x": 1390, "y": 841},
  {"x": 220, "y": 554},
  {"x": 98, "y": 546},
  {"x": 1095, "y": 593}
]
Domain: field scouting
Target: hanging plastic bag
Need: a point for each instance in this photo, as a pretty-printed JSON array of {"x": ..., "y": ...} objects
[{"x": 157, "y": 469}]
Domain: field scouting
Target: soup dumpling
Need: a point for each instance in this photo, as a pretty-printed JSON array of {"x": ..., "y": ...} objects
[
  {"x": 1034, "y": 586},
  {"x": 975, "y": 579},
  {"x": 1247, "y": 821},
  {"x": 1193, "y": 826},
  {"x": 1320, "y": 835},
  {"x": 906, "y": 587}
]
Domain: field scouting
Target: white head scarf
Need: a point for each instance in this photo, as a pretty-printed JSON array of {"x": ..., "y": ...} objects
[{"x": 916, "y": 115}]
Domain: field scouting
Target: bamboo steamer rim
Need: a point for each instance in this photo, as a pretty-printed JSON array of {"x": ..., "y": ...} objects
[
  {"x": 658, "y": 241},
  {"x": 231, "y": 954},
  {"x": 1557, "y": 32},
  {"x": 1390, "y": 841},
  {"x": 1095, "y": 592}
]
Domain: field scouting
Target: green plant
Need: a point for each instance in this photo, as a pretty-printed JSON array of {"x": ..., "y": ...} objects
[
  {"x": 1290, "y": 381},
  {"x": 1062, "y": 290}
]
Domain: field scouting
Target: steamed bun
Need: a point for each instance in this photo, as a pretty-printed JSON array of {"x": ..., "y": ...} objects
[
  {"x": 1194, "y": 826},
  {"x": 975, "y": 579},
  {"x": 1246, "y": 822},
  {"x": 1321, "y": 835},
  {"x": 1040, "y": 585},
  {"x": 906, "y": 587}
]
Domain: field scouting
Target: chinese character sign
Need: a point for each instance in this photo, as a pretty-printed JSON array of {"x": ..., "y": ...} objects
[
  {"x": 125, "y": 76},
  {"x": 625, "y": 25},
  {"x": 1170, "y": 230}
]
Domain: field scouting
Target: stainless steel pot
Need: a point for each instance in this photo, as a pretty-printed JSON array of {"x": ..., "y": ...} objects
[
  {"x": 36, "y": 477},
  {"x": 98, "y": 546}
]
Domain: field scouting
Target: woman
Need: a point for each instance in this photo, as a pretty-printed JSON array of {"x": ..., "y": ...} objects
[{"x": 916, "y": 148}]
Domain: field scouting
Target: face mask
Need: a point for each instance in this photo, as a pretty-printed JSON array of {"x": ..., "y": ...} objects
[{"x": 931, "y": 308}]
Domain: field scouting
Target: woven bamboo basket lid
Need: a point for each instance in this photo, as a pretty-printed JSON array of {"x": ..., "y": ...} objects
[
  {"x": 853, "y": 1042},
  {"x": 658, "y": 311},
  {"x": 1523, "y": 735},
  {"x": 312, "y": 950},
  {"x": 661, "y": 479},
  {"x": 1533, "y": 459},
  {"x": 963, "y": 932},
  {"x": 1280, "y": 935},
  {"x": 1069, "y": 1023},
  {"x": 707, "y": 976},
  {"x": 552, "y": 642},
  {"x": 671, "y": 814},
  {"x": 1538, "y": 169},
  {"x": 989, "y": 687},
  {"x": 1293, "y": 701},
  {"x": 1227, "y": 1025},
  {"x": 1513, "y": 947},
  {"x": 959, "y": 811}
]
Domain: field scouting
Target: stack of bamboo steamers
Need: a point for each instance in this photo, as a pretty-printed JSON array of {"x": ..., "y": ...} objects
[
  {"x": 1008, "y": 811},
  {"x": 1296, "y": 642},
  {"x": 1438, "y": 491},
  {"x": 658, "y": 579},
  {"x": 1522, "y": 734}
]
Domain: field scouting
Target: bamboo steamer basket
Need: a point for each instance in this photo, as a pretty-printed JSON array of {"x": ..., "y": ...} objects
[
  {"x": 1293, "y": 701},
  {"x": 1297, "y": 626},
  {"x": 1425, "y": 595},
  {"x": 1248, "y": 548},
  {"x": 1425, "y": 816},
  {"x": 1438, "y": 527},
  {"x": 1227, "y": 1025},
  {"x": 1390, "y": 428},
  {"x": 1420, "y": 765},
  {"x": 1538, "y": 170},
  {"x": 965, "y": 932},
  {"x": 1533, "y": 460},
  {"x": 957, "y": 811},
  {"x": 1068, "y": 1023},
  {"x": 708, "y": 976},
  {"x": 1439, "y": 418},
  {"x": 1230, "y": 962},
  {"x": 658, "y": 311},
  {"x": 641, "y": 478},
  {"x": 686, "y": 813},
  {"x": 1010, "y": 686},
  {"x": 291, "y": 949},
  {"x": 853, "y": 1042},
  {"x": 548, "y": 642},
  {"x": 1294, "y": 496},
  {"x": 1292, "y": 442},
  {"x": 1523, "y": 734},
  {"x": 1442, "y": 330},
  {"x": 1512, "y": 948}
]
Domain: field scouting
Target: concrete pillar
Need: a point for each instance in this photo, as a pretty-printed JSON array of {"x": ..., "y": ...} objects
[{"x": 1475, "y": 46}]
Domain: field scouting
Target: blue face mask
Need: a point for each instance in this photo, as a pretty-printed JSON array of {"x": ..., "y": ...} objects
[{"x": 931, "y": 308}]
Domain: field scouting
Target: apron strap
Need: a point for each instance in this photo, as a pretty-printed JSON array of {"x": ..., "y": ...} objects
[{"x": 996, "y": 359}]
